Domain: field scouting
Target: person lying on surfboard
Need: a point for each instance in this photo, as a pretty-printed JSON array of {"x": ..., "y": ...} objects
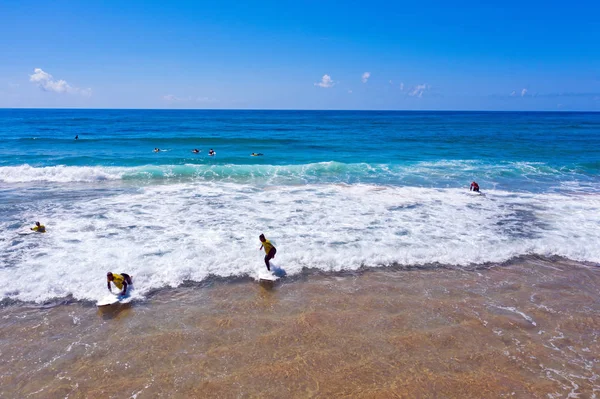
[
  {"x": 474, "y": 187},
  {"x": 121, "y": 281},
  {"x": 269, "y": 250},
  {"x": 40, "y": 228}
]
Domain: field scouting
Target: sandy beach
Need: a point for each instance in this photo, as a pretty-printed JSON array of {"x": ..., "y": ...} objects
[
  {"x": 527, "y": 329},
  {"x": 312, "y": 199}
]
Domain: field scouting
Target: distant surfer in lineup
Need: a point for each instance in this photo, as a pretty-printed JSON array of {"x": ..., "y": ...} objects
[
  {"x": 211, "y": 152},
  {"x": 474, "y": 187},
  {"x": 256, "y": 154},
  {"x": 195, "y": 150},
  {"x": 40, "y": 228},
  {"x": 269, "y": 250},
  {"x": 157, "y": 149},
  {"x": 121, "y": 281},
  {"x": 77, "y": 137}
]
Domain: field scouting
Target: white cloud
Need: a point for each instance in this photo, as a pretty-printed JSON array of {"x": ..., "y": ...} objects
[
  {"x": 523, "y": 93},
  {"x": 402, "y": 86},
  {"x": 46, "y": 82},
  {"x": 174, "y": 99},
  {"x": 418, "y": 90},
  {"x": 171, "y": 98},
  {"x": 366, "y": 76},
  {"x": 206, "y": 100},
  {"x": 325, "y": 82}
]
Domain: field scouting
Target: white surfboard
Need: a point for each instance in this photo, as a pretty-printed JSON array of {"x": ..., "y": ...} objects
[
  {"x": 265, "y": 275},
  {"x": 112, "y": 299},
  {"x": 27, "y": 231}
]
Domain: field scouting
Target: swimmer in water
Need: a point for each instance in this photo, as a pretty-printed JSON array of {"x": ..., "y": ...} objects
[
  {"x": 211, "y": 152},
  {"x": 77, "y": 137},
  {"x": 121, "y": 281},
  {"x": 157, "y": 150},
  {"x": 474, "y": 187},
  {"x": 255, "y": 154},
  {"x": 195, "y": 150},
  {"x": 40, "y": 228}
]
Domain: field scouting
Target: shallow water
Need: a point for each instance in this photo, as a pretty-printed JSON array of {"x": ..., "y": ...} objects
[
  {"x": 528, "y": 329},
  {"x": 167, "y": 234},
  {"x": 334, "y": 191}
]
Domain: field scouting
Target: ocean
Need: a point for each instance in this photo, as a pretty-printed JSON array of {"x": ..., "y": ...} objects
[
  {"x": 333, "y": 190},
  {"x": 395, "y": 280}
]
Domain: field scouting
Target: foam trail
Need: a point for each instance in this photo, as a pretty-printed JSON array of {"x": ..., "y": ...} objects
[{"x": 165, "y": 234}]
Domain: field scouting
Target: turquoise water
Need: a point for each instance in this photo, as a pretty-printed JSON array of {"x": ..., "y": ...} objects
[
  {"x": 519, "y": 151},
  {"x": 333, "y": 191}
]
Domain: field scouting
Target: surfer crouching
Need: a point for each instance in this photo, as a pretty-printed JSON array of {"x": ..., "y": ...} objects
[
  {"x": 269, "y": 250},
  {"x": 121, "y": 281},
  {"x": 40, "y": 228}
]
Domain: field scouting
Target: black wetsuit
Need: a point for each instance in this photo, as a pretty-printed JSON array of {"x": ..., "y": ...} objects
[{"x": 270, "y": 256}]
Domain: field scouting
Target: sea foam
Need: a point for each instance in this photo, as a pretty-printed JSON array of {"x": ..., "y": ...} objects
[{"x": 165, "y": 234}]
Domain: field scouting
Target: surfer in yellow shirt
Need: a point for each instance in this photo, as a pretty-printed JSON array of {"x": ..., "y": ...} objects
[
  {"x": 121, "y": 281},
  {"x": 269, "y": 250},
  {"x": 40, "y": 228}
]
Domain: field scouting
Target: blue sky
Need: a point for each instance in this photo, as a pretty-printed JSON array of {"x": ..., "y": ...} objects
[{"x": 461, "y": 55}]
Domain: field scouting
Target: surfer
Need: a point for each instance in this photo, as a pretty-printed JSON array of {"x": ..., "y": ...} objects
[
  {"x": 474, "y": 187},
  {"x": 77, "y": 137},
  {"x": 195, "y": 150},
  {"x": 211, "y": 152},
  {"x": 157, "y": 149},
  {"x": 254, "y": 154},
  {"x": 121, "y": 281},
  {"x": 40, "y": 228},
  {"x": 269, "y": 250}
]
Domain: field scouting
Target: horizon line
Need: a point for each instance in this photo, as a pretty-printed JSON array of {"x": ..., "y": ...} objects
[{"x": 289, "y": 109}]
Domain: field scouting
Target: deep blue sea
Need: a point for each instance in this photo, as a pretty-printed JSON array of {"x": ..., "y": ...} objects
[{"x": 334, "y": 190}]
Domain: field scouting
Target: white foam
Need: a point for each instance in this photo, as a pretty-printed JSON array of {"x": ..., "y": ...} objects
[
  {"x": 168, "y": 233},
  {"x": 517, "y": 311},
  {"x": 58, "y": 174},
  {"x": 528, "y": 176}
]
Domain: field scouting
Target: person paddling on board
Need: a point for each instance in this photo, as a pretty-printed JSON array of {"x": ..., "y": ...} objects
[
  {"x": 474, "y": 187},
  {"x": 121, "y": 281},
  {"x": 40, "y": 228},
  {"x": 254, "y": 154},
  {"x": 157, "y": 149},
  {"x": 211, "y": 152},
  {"x": 195, "y": 150},
  {"x": 269, "y": 250}
]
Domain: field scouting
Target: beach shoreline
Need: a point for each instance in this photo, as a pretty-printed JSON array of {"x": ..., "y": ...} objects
[{"x": 527, "y": 328}]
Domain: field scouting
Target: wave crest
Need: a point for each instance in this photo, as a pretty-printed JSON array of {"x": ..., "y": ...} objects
[{"x": 445, "y": 173}]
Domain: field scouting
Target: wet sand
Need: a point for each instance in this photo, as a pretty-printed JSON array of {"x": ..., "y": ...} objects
[{"x": 528, "y": 329}]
